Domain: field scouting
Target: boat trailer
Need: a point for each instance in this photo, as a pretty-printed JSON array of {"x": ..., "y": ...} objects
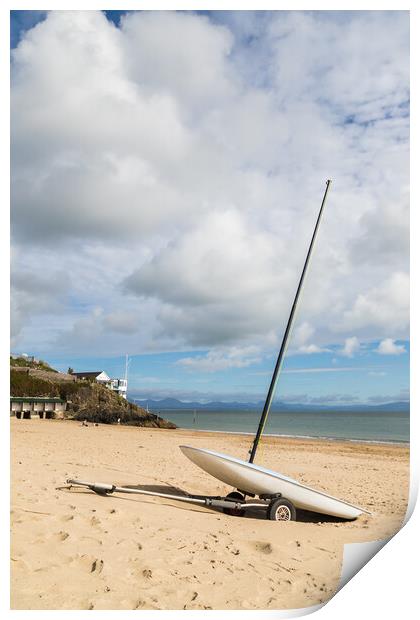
[{"x": 277, "y": 507}]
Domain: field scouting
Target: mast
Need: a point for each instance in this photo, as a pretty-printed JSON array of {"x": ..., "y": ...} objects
[
  {"x": 284, "y": 343},
  {"x": 126, "y": 368}
]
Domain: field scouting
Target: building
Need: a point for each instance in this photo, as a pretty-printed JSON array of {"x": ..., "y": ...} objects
[
  {"x": 92, "y": 375},
  {"x": 119, "y": 386},
  {"x": 27, "y": 407},
  {"x": 116, "y": 385}
]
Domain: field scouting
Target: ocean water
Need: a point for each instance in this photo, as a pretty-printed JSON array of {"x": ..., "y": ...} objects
[{"x": 352, "y": 425}]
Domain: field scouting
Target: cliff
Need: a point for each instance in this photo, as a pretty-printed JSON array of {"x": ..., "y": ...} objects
[{"x": 85, "y": 400}]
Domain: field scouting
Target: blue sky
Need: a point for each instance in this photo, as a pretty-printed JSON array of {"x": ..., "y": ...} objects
[
  {"x": 322, "y": 378},
  {"x": 165, "y": 181}
]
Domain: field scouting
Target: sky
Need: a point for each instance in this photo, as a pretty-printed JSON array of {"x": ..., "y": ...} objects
[{"x": 167, "y": 169}]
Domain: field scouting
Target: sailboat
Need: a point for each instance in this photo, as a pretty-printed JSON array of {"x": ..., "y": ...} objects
[
  {"x": 276, "y": 494},
  {"x": 286, "y": 494}
]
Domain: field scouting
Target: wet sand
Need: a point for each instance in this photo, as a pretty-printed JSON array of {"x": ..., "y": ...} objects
[{"x": 73, "y": 549}]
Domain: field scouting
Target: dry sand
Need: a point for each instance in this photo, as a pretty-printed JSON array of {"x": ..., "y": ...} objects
[{"x": 73, "y": 549}]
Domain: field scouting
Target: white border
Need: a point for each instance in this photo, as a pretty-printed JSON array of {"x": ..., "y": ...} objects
[{"x": 387, "y": 586}]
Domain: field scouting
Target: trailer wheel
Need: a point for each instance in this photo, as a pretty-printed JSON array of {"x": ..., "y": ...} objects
[
  {"x": 235, "y": 512},
  {"x": 281, "y": 510}
]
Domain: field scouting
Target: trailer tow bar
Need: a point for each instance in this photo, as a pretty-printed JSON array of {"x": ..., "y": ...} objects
[{"x": 224, "y": 503}]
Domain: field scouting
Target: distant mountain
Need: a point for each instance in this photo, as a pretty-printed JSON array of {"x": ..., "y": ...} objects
[
  {"x": 174, "y": 403},
  {"x": 397, "y": 406}
]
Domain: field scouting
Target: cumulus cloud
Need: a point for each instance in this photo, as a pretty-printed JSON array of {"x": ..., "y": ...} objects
[
  {"x": 104, "y": 332},
  {"x": 212, "y": 286},
  {"x": 312, "y": 348},
  {"x": 122, "y": 322},
  {"x": 34, "y": 294},
  {"x": 385, "y": 305},
  {"x": 212, "y": 262},
  {"x": 383, "y": 235},
  {"x": 191, "y": 64},
  {"x": 302, "y": 335},
  {"x": 173, "y": 167},
  {"x": 351, "y": 347},
  {"x": 222, "y": 359},
  {"x": 389, "y": 347}
]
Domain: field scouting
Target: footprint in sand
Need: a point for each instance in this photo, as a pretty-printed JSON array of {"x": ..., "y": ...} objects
[
  {"x": 137, "y": 570},
  {"x": 61, "y": 536},
  {"x": 264, "y": 547},
  {"x": 19, "y": 564},
  {"x": 151, "y": 603},
  {"x": 88, "y": 563},
  {"x": 91, "y": 539},
  {"x": 67, "y": 518},
  {"x": 97, "y": 566}
]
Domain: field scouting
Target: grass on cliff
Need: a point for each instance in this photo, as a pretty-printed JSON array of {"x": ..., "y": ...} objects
[
  {"x": 24, "y": 384},
  {"x": 24, "y": 362}
]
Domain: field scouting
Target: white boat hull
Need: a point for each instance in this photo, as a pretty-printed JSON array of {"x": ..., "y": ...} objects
[{"x": 257, "y": 480}]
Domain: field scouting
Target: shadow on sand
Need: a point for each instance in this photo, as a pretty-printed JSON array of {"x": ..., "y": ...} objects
[{"x": 303, "y": 516}]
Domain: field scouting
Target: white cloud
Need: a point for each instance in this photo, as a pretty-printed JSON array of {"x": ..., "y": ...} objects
[
  {"x": 351, "y": 347},
  {"x": 302, "y": 334},
  {"x": 222, "y": 359},
  {"x": 186, "y": 158},
  {"x": 122, "y": 322},
  {"x": 323, "y": 369},
  {"x": 191, "y": 63},
  {"x": 366, "y": 82},
  {"x": 389, "y": 347},
  {"x": 212, "y": 288},
  {"x": 384, "y": 235},
  {"x": 313, "y": 348},
  {"x": 385, "y": 305},
  {"x": 35, "y": 295}
]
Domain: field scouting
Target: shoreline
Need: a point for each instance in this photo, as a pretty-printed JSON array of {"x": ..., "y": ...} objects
[
  {"x": 247, "y": 434},
  {"x": 389, "y": 442}
]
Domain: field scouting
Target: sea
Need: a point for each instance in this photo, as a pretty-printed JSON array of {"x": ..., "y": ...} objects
[{"x": 366, "y": 426}]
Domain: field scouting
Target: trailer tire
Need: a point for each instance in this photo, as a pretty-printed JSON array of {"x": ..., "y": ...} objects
[
  {"x": 235, "y": 512},
  {"x": 281, "y": 510}
]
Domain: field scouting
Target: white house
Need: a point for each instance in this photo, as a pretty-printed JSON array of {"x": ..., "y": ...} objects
[
  {"x": 119, "y": 386},
  {"x": 99, "y": 376},
  {"x": 116, "y": 385}
]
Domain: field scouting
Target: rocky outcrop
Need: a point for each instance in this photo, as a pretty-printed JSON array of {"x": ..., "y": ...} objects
[
  {"x": 95, "y": 403},
  {"x": 86, "y": 400}
]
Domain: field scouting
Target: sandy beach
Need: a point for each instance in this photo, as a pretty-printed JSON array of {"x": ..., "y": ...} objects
[{"x": 73, "y": 549}]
